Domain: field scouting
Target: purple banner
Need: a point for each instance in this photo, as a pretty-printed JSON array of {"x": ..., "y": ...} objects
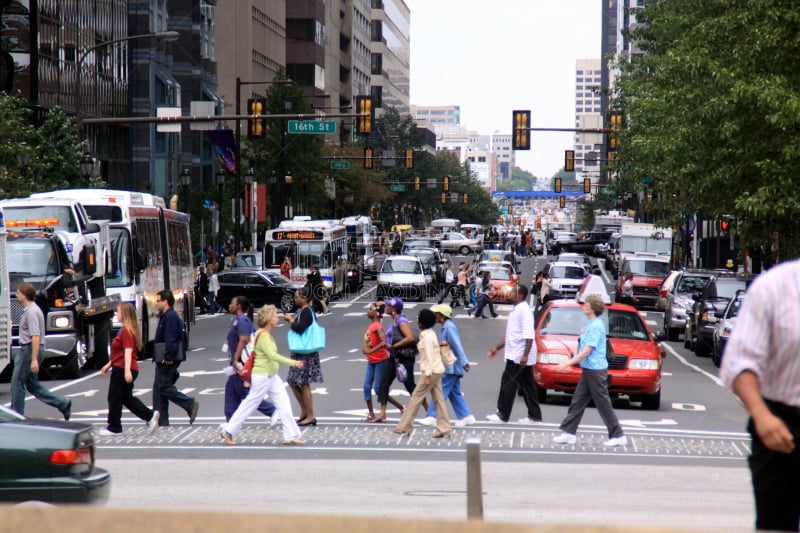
[{"x": 225, "y": 147}]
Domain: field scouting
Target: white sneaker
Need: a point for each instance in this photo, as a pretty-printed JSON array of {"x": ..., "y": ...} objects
[
  {"x": 152, "y": 424},
  {"x": 616, "y": 441},
  {"x": 427, "y": 421},
  {"x": 466, "y": 421},
  {"x": 526, "y": 420},
  {"x": 565, "y": 438},
  {"x": 274, "y": 418},
  {"x": 106, "y": 433},
  {"x": 494, "y": 417}
]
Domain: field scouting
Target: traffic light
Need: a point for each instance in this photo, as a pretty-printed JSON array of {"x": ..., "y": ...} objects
[
  {"x": 444, "y": 197},
  {"x": 569, "y": 160},
  {"x": 446, "y": 184},
  {"x": 466, "y": 198},
  {"x": 409, "y": 158},
  {"x": 416, "y": 183},
  {"x": 368, "y": 161},
  {"x": 615, "y": 121},
  {"x": 557, "y": 187},
  {"x": 366, "y": 113},
  {"x": 520, "y": 130},
  {"x": 255, "y": 126},
  {"x": 587, "y": 185},
  {"x": 562, "y": 202},
  {"x": 610, "y": 157}
]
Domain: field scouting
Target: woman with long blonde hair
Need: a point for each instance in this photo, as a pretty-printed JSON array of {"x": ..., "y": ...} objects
[{"x": 124, "y": 366}]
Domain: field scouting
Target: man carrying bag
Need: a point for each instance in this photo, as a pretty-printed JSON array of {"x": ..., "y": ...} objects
[{"x": 169, "y": 351}]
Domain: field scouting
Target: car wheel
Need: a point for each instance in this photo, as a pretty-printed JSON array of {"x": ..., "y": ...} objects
[
  {"x": 464, "y": 250},
  {"x": 687, "y": 338},
  {"x": 672, "y": 333},
  {"x": 71, "y": 368},
  {"x": 287, "y": 303},
  {"x": 652, "y": 402},
  {"x": 716, "y": 357},
  {"x": 541, "y": 395},
  {"x": 701, "y": 349}
]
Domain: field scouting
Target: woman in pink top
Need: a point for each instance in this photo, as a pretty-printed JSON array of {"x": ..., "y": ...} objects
[{"x": 377, "y": 357}]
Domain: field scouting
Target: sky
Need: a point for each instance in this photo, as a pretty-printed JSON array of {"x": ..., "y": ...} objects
[{"x": 491, "y": 58}]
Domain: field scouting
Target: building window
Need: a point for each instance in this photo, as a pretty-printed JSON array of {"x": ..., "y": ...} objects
[{"x": 377, "y": 63}]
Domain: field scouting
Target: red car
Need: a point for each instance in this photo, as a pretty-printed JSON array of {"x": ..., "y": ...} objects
[{"x": 635, "y": 370}]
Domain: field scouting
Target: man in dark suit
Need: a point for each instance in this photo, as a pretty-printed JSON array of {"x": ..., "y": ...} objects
[{"x": 172, "y": 334}]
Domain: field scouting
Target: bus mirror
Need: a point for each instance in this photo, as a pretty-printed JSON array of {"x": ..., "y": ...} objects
[{"x": 141, "y": 259}]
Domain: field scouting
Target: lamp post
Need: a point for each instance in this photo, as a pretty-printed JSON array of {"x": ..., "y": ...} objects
[
  {"x": 186, "y": 180},
  {"x": 288, "y": 210},
  {"x": 248, "y": 181},
  {"x": 220, "y": 183},
  {"x": 87, "y": 166},
  {"x": 273, "y": 217}
]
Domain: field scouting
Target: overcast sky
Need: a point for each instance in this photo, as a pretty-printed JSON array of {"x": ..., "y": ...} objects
[{"x": 493, "y": 57}]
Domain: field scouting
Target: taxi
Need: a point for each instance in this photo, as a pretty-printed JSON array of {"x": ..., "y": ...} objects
[
  {"x": 502, "y": 280},
  {"x": 636, "y": 368}
]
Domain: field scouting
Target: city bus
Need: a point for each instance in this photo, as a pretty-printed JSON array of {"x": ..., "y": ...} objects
[
  {"x": 309, "y": 242},
  {"x": 150, "y": 251}
]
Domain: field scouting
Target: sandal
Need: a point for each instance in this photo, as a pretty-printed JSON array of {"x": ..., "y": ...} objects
[
  {"x": 369, "y": 419},
  {"x": 379, "y": 420}
]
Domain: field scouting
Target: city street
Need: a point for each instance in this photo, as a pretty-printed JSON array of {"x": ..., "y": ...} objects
[{"x": 694, "y": 443}]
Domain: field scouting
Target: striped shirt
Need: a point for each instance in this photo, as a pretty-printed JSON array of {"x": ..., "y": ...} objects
[
  {"x": 518, "y": 330},
  {"x": 766, "y": 339}
]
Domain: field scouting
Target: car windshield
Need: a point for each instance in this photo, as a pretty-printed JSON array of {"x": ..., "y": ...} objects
[
  {"x": 567, "y": 272},
  {"x": 728, "y": 290},
  {"x": 499, "y": 274},
  {"x": 247, "y": 260},
  {"x": 733, "y": 309},
  {"x": 401, "y": 265},
  {"x": 644, "y": 267},
  {"x": 692, "y": 283},
  {"x": 571, "y": 320}
]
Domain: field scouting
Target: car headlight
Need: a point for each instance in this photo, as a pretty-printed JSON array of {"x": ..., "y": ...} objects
[
  {"x": 644, "y": 364},
  {"x": 60, "y": 320},
  {"x": 507, "y": 288},
  {"x": 726, "y": 332},
  {"x": 547, "y": 358}
]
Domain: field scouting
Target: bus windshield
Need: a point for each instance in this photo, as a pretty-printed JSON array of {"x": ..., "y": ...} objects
[
  {"x": 301, "y": 254},
  {"x": 121, "y": 272}
]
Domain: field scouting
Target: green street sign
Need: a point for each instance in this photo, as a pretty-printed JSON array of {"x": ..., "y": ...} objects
[
  {"x": 340, "y": 165},
  {"x": 397, "y": 188},
  {"x": 312, "y": 126}
]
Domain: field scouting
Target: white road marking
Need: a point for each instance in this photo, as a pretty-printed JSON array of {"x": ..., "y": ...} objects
[{"x": 683, "y": 360}]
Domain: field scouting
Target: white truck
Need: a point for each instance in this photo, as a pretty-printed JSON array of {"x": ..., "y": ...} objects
[
  {"x": 52, "y": 244},
  {"x": 636, "y": 237},
  {"x": 5, "y": 301}
]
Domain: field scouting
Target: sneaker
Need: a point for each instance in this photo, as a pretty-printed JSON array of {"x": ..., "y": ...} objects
[
  {"x": 193, "y": 412},
  {"x": 152, "y": 424},
  {"x": 106, "y": 433},
  {"x": 466, "y": 421},
  {"x": 227, "y": 437},
  {"x": 494, "y": 417},
  {"x": 527, "y": 420},
  {"x": 274, "y": 419},
  {"x": 616, "y": 441},
  {"x": 427, "y": 421},
  {"x": 565, "y": 438}
]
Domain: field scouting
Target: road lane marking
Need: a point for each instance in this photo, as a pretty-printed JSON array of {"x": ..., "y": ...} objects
[{"x": 683, "y": 360}]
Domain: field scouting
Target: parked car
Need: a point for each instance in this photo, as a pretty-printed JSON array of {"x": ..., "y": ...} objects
[
  {"x": 565, "y": 278},
  {"x": 403, "y": 276},
  {"x": 637, "y": 365},
  {"x": 724, "y": 326},
  {"x": 453, "y": 243},
  {"x": 49, "y": 461},
  {"x": 709, "y": 304},
  {"x": 677, "y": 293},
  {"x": 247, "y": 261},
  {"x": 259, "y": 286}
]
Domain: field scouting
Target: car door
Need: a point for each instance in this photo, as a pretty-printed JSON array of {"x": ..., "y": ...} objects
[
  {"x": 230, "y": 285},
  {"x": 257, "y": 289}
]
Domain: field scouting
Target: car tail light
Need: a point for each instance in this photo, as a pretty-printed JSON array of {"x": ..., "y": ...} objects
[
  {"x": 82, "y": 457},
  {"x": 663, "y": 293}
]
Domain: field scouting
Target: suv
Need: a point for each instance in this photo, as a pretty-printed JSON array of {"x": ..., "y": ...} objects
[
  {"x": 724, "y": 326},
  {"x": 709, "y": 304},
  {"x": 402, "y": 276},
  {"x": 566, "y": 278},
  {"x": 678, "y": 298},
  {"x": 649, "y": 270}
]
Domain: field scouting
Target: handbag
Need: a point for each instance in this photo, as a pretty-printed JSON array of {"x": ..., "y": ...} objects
[
  {"x": 246, "y": 373},
  {"x": 310, "y": 341},
  {"x": 447, "y": 355},
  {"x": 402, "y": 373}
]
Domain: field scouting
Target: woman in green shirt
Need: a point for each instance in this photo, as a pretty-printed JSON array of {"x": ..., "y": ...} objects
[{"x": 265, "y": 380}]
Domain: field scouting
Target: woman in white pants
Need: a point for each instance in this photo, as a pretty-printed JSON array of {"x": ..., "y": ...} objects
[{"x": 265, "y": 380}]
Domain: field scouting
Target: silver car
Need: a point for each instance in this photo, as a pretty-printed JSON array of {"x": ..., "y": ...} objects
[
  {"x": 724, "y": 326},
  {"x": 403, "y": 276},
  {"x": 677, "y": 299},
  {"x": 457, "y": 243}
]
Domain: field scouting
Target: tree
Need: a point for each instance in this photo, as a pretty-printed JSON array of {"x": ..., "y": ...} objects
[{"x": 712, "y": 115}]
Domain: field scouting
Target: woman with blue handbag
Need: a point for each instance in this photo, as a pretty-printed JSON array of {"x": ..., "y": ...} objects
[{"x": 300, "y": 379}]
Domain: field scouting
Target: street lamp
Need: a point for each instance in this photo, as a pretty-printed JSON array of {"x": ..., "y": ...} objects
[
  {"x": 249, "y": 177},
  {"x": 220, "y": 183},
  {"x": 186, "y": 180},
  {"x": 87, "y": 166},
  {"x": 288, "y": 211}
]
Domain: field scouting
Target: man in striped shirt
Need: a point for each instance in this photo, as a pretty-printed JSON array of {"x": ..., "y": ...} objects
[{"x": 762, "y": 365}]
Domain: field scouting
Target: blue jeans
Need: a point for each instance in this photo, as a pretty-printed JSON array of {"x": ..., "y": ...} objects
[
  {"x": 235, "y": 392},
  {"x": 373, "y": 377},
  {"x": 451, "y": 390},
  {"x": 22, "y": 378}
]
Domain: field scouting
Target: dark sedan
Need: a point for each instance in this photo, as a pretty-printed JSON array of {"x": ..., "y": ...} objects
[
  {"x": 260, "y": 287},
  {"x": 49, "y": 461}
]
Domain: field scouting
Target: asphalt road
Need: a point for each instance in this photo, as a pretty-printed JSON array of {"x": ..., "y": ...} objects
[{"x": 694, "y": 445}]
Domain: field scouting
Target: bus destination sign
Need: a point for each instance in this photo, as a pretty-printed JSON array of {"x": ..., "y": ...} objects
[{"x": 299, "y": 235}]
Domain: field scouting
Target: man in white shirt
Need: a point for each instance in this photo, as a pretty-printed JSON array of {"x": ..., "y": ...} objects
[
  {"x": 449, "y": 280},
  {"x": 520, "y": 355}
]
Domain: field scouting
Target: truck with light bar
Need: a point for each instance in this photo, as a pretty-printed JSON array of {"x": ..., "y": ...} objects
[{"x": 53, "y": 245}]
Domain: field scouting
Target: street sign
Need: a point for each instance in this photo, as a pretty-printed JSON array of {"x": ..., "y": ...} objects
[
  {"x": 340, "y": 165},
  {"x": 312, "y": 126},
  {"x": 397, "y": 188}
]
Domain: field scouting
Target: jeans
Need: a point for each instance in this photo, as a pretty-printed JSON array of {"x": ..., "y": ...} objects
[
  {"x": 391, "y": 373},
  {"x": 593, "y": 385},
  {"x": 22, "y": 378},
  {"x": 235, "y": 392},
  {"x": 451, "y": 390},
  {"x": 165, "y": 391},
  {"x": 483, "y": 301},
  {"x": 214, "y": 307},
  {"x": 120, "y": 393},
  {"x": 373, "y": 377}
]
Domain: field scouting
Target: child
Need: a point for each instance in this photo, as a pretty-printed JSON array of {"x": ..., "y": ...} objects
[{"x": 377, "y": 357}]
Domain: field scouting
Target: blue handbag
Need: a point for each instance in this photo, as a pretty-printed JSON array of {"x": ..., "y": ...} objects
[{"x": 312, "y": 339}]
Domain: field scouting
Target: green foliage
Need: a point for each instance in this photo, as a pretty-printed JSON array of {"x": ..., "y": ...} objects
[{"x": 713, "y": 113}]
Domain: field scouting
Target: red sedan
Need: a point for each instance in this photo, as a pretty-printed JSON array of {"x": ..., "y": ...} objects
[{"x": 635, "y": 370}]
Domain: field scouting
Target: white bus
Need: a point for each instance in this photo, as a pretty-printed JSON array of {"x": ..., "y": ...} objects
[
  {"x": 309, "y": 242},
  {"x": 151, "y": 250}
]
